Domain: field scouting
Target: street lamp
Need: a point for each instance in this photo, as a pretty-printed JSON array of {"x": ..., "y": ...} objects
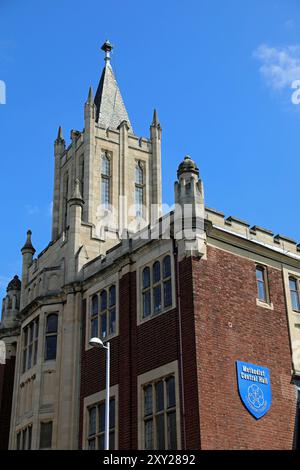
[{"x": 98, "y": 343}]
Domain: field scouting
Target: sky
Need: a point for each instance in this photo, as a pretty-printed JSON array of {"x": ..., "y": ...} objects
[{"x": 219, "y": 72}]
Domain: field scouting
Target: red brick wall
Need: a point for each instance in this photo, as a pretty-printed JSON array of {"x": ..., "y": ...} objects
[
  {"x": 135, "y": 351},
  {"x": 6, "y": 391},
  {"x": 225, "y": 293}
]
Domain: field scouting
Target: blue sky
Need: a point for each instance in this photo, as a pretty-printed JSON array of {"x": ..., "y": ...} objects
[{"x": 219, "y": 72}]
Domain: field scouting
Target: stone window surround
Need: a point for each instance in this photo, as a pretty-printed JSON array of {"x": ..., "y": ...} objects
[
  {"x": 94, "y": 399},
  {"x": 267, "y": 303},
  {"x": 96, "y": 289},
  {"x": 287, "y": 274},
  {"x": 147, "y": 378},
  {"x": 149, "y": 258}
]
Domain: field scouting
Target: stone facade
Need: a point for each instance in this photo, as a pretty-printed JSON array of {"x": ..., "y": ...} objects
[{"x": 208, "y": 314}]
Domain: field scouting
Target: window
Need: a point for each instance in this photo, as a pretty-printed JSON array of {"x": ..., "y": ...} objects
[
  {"x": 51, "y": 337},
  {"x": 261, "y": 278},
  {"x": 139, "y": 189},
  {"x": 96, "y": 425},
  {"x": 294, "y": 290},
  {"x": 30, "y": 344},
  {"x": 105, "y": 179},
  {"x": 81, "y": 175},
  {"x": 46, "y": 435},
  {"x": 159, "y": 414},
  {"x": 24, "y": 438},
  {"x": 157, "y": 287},
  {"x": 103, "y": 317}
]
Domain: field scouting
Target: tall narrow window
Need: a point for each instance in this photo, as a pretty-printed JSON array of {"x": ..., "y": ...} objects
[
  {"x": 96, "y": 426},
  {"x": 146, "y": 292},
  {"x": 294, "y": 290},
  {"x": 103, "y": 316},
  {"x": 94, "y": 316},
  {"x": 105, "y": 179},
  {"x": 81, "y": 175},
  {"x": 46, "y": 435},
  {"x": 160, "y": 415},
  {"x": 30, "y": 345},
  {"x": 261, "y": 284},
  {"x": 139, "y": 189},
  {"x": 156, "y": 287},
  {"x": 51, "y": 337}
]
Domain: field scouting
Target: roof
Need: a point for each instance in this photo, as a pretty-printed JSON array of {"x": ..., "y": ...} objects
[{"x": 110, "y": 108}]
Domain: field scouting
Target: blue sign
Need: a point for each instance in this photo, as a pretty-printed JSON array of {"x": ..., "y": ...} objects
[{"x": 254, "y": 388}]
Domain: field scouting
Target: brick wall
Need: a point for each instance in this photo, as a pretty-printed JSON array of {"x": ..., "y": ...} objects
[
  {"x": 6, "y": 391},
  {"x": 230, "y": 326}
]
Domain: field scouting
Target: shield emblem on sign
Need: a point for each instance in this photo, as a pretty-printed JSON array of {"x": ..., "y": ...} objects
[{"x": 254, "y": 388}]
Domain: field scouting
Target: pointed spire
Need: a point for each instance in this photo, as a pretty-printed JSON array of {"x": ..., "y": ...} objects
[
  {"x": 110, "y": 108},
  {"x": 90, "y": 99},
  {"x": 155, "y": 121},
  {"x": 28, "y": 247},
  {"x": 60, "y": 136}
]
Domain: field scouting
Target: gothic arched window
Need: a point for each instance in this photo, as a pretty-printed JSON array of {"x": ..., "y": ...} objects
[
  {"x": 139, "y": 189},
  {"x": 105, "y": 179}
]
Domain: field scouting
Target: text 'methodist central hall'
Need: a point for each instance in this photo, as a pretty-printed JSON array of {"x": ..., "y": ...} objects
[{"x": 202, "y": 312}]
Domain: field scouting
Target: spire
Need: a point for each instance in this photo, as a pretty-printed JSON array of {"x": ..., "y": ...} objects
[
  {"x": 90, "y": 99},
  {"x": 110, "y": 108},
  {"x": 28, "y": 248},
  {"x": 60, "y": 134},
  {"x": 155, "y": 121}
]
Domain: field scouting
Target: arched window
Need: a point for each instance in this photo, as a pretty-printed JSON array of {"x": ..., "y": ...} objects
[
  {"x": 104, "y": 318},
  {"x": 94, "y": 316},
  {"x": 139, "y": 189},
  {"x": 167, "y": 283},
  {"x": 146, "y": 292},
  {"x": 157, "y": 287},
  {"x": 294, "y": 290},
  {"x": 105, "y": 179},
  {"x": 51, "y": 337}
]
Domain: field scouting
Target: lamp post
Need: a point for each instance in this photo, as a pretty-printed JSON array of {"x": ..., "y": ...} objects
[{"x": 98, "y": 343}]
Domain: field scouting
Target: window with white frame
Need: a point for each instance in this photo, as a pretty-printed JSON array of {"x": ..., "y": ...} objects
[
  {"x": 103, "y": 313},
  {"x": 159, "y": 414},
  {"x": 157, "y": 287},
  {"x": 96, "y": 425},
  {"x": 139, "y": 189},
  {"x": 105, "y": 178},
  {"x": 30, "y": 344},
  {"x": 294, "y": 291}
]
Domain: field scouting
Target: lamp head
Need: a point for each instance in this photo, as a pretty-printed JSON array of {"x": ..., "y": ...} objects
[{"x": 96, "y": 342}]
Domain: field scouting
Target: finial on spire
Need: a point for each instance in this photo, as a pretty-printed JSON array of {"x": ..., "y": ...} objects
[{"x": 107, "y": 48}]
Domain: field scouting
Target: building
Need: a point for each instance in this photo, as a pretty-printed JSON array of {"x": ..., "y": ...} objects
[{"x": 185, "y": 298}]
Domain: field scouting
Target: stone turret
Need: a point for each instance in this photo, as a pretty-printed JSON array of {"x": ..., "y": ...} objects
[
  {"x": 27, "y": 255},
  {"x": 156, "y": 196},
  {"x": 189, "y": 208},
  {"x": 11, "y": 303}
]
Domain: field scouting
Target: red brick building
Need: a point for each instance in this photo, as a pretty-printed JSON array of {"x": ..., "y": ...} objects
[{"x": 182, "y": 298}]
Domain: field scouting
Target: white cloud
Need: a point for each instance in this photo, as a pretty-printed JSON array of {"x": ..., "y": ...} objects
[
  {"x": 32, "y": 210},
  {"x": 280, "y": 66}
]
